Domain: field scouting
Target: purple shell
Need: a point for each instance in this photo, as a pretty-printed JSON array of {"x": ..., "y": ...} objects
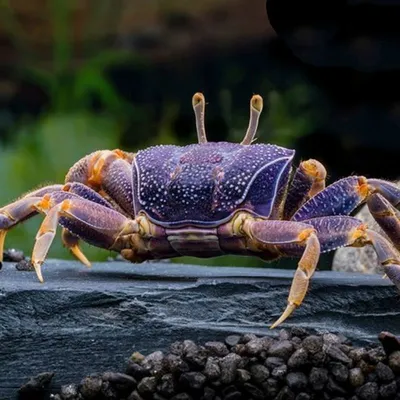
[{"x": 204, "y": 184}]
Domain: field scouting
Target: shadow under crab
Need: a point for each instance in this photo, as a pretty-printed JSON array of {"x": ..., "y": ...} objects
[{"x": 209, "y": 199}]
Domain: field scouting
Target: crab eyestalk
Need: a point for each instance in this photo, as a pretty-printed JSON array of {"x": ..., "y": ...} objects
[
  {"x": 256, "y": 106},
  {"x": 199, "y": 105}
]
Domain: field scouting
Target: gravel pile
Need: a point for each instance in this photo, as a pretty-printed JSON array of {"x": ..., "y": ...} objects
[{"x": 295, "y": 366}]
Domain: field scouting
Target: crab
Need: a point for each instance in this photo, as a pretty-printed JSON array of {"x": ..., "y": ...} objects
[{"x": 208, "y": 199}]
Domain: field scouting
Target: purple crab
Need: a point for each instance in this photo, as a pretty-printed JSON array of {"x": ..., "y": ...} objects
[{"x": 209, "y": 199}]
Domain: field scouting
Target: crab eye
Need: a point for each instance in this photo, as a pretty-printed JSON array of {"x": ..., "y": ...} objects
[
  {"x": 199, "y": 104},
  {"x": 256, "y": 106}
]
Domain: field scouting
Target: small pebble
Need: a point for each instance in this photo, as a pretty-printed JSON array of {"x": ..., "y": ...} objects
[
  {"x": 212, "y": 369},
  {"x": 318, "y": 378},
  {"x": 384, "y": 373},
  {"x": 331, "y": 338},
  {"x": 90, "y": 387},
  {"x": 218, "y": 349},
  {"x": 228, "y": 366},
  {"x": 193, "y": 380},
  {"x": 335, "y": 353},
  {"x": 232, "y": 340},
  {"x": 13, "y": 255},
  {"x": 390, "y": 342},
  {"x": 69, "y": 392},
  {"x": 243, "y": 375},
  {"x": 281, "y": 349},
  {"x": 313, "y": 344},
  {"x": 394, "y": 361},
  {"x": 297, "y": 381},
  {"x": 356, "y": 377},
  {"x": 335, "y": 388},
  {"x": 254, "y": 391},
  {"x": 247, "y": 337},
  {"x": 166, "y": 385},
  {"x": 273, "y": 362},
  {"x": 298, "y": 359},
  {"x": 259, "y": 373},
  {"x": 339, "y": 371},
  {"x": 388, "y": 390},
  {"x": 147, "y": 386},
  {"x": 256, "y": 346},
  {"x": 279, "y": 372},
  {"x": 24, "y": 265},
  {"x": 303, "y": 396},
  {"x": 368, "y": 391}
]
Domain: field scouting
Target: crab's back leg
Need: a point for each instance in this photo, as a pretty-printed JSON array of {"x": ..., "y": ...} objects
[
  {"x": 383, "y": 203},
  {"x": 70, "y": 241},
  {"x": 110, "y": 174},
  {"x": 343, "y": 196},
  {"x": 339, "y": 198},
  {"x": 92, "y": 222},
  {"x": 308, "y": 180},
  {"x": 20, "y": 210}
]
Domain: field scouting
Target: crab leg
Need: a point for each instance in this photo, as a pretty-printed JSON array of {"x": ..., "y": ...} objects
[
  {"x": 387, "y": 216},
  {"x": 343, "y": 196},
  {"x": 110, "y": 174},
  {"x": 310, "y": 238},
  {"x": 20, "y": 210},
  {"x": 308, "y": 180},
  {"x": 95, "y": 223},
  {"x": 70, "y": 241},
  {"x": 339, "y": 198},
  {"x": 288, "y": 234}
]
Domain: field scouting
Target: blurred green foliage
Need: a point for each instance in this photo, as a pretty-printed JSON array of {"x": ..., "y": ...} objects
[{"x": 44, "y": 148}]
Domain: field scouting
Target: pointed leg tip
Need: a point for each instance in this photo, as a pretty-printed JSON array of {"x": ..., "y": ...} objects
[
  {"x": 288, "y": 311},
  {"x": 273, "y": 326},
  {"x": 38, "y": 270},
  {"x": 77, "y": 252}
]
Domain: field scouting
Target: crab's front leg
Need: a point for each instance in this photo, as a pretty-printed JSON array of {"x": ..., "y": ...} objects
[
  {"x": 279, "y": 236},
  {"x": 20, "y": 210},
  {"x": 308, "y": 239},
  {"x": 94, "y": 223}
]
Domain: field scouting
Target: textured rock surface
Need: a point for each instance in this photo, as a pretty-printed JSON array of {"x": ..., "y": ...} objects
[{"x": 83, "y": 321}]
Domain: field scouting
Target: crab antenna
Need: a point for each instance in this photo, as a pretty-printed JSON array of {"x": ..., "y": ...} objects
[
  {"x": 256, "y": 106},
  {"x": 199, "y": 105}
]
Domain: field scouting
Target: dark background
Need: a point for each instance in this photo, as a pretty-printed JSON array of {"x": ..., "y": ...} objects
[{"x": 81, "y": 76}]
